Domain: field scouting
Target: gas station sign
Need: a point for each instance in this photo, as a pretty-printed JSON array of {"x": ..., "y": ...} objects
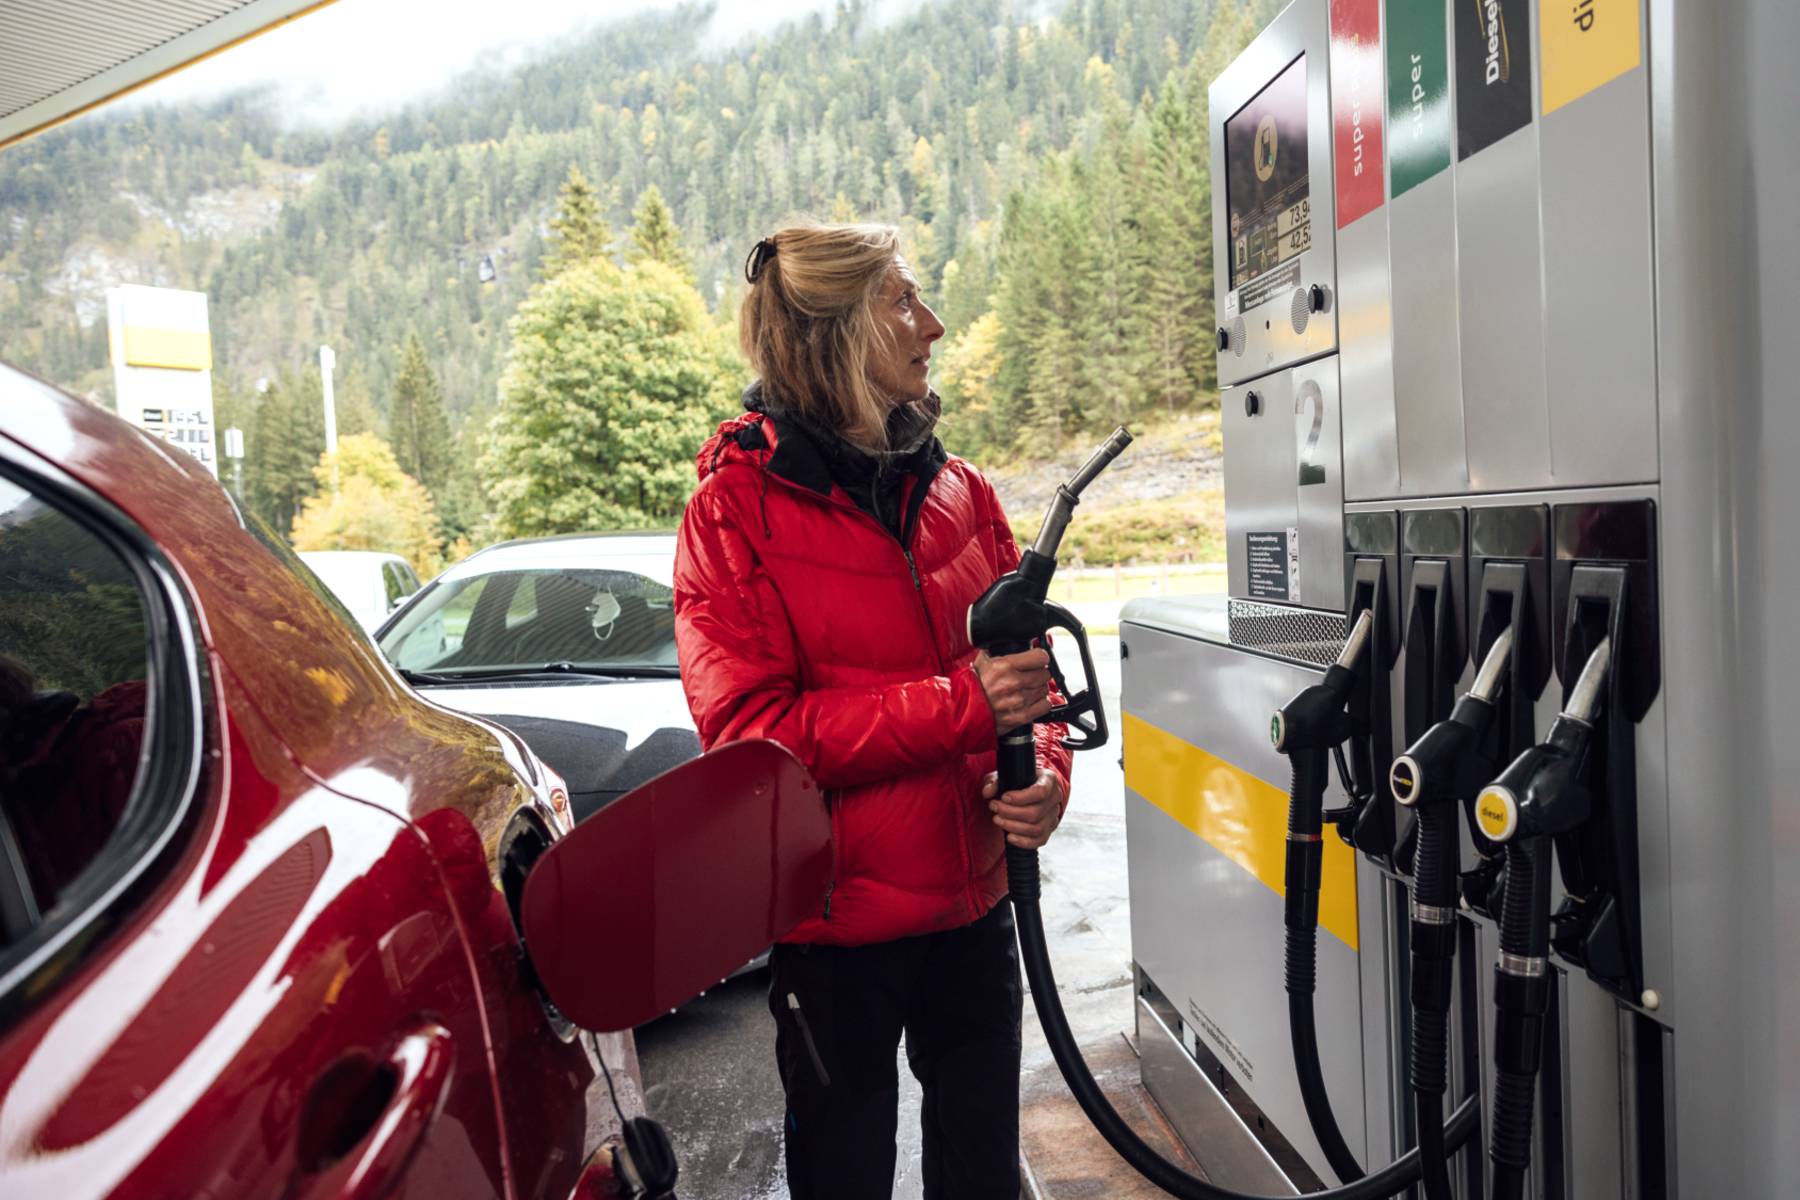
[{"x": 161, "y": 346}]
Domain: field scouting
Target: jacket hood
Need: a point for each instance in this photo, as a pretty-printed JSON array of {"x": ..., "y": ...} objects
[{"x": 747, "y": 438}]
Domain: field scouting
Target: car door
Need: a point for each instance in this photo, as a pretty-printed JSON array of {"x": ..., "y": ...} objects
[{"x": 218, "y": 977}]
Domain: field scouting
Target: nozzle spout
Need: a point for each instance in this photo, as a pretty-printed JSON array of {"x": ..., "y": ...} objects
[
  {"x": 1069, "y": 494},
  {"x": 1585, "y": 697},
  {"x": 1357, "y": 639},
  {"x": 1097, "y": 462},
  {"x": 1493, "y": 667}
]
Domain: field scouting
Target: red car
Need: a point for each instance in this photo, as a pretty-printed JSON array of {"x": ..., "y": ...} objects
[{"x": 259, "y": 901}]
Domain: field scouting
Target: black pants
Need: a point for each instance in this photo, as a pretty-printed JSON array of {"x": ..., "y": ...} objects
[{"x": 957, "y": 996}]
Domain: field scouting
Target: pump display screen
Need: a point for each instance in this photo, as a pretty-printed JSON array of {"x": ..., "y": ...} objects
[{"x": 1266, "y": 187}]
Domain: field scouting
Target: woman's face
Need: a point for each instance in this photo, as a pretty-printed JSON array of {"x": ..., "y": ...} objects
[{"x": 900, "y": 361}]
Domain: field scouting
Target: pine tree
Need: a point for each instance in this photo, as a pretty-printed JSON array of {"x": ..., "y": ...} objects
[
  {"x": 416, "y": 419},
  {"x": 1175, "y": 271},
  {"x": 654, "y": 235},
  {"x": 284, "y": 442},
  {"x": 579, "y": 232}
]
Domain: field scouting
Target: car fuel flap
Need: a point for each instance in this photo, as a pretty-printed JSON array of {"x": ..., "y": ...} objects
[{"x": 676, "y": 884}]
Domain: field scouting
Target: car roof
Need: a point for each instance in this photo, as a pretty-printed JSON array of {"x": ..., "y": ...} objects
[
  {"x": 350, "y": 555},
  {"x": 563, "y": 550}
]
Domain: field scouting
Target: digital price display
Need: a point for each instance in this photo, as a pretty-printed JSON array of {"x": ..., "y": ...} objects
[{"x": 1267, "y": 187}]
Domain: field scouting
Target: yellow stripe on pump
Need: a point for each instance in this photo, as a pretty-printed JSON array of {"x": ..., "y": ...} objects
[{"x": 1239, "y": 815}]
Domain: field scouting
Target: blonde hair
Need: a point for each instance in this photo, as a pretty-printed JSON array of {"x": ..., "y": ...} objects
[{"x": 808, "y": 324}]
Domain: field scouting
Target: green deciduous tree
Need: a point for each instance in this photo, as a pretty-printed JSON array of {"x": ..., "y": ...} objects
[{"x": 614, "y": 378}]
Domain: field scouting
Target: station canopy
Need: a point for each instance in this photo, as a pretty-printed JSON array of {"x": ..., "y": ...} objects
[{"x": 60, "y": 58}]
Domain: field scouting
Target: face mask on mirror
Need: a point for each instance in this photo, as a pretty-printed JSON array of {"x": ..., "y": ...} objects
[{"x": 603, "y": 612}]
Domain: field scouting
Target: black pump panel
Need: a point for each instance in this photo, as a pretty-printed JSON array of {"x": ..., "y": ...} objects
[
  {"x": 1509, "y": 571},
  {"x": 1371, "y": 549},
  {"x": 1372, "y": 582},
  {"x": 1622, "y": 534},
  {"x": 1604, "y": 583},
  {"x": 1433, "y": 581}
]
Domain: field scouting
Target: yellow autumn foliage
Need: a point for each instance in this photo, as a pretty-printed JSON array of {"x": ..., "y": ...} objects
[{"x": 376, "y": 506}]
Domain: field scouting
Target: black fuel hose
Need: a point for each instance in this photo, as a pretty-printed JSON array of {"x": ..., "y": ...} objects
[
  {"x": 1305, "y": 862},
  {"x": 1521, "y": 998},
  {"x": 1433, "y": 933},
  {"x": 1026, "y": 888}
]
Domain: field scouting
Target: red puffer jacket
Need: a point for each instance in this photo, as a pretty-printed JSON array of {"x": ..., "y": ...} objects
[{"x": 800, "y": 618}]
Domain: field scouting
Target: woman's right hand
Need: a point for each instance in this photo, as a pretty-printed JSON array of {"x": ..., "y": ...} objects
[{"x": 1017, "y": 686}]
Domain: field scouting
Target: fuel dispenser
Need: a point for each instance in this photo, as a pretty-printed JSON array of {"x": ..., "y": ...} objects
[{"x": 1497, "y": 426}]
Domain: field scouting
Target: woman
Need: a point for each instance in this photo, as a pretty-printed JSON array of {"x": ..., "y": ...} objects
[{"x": 823, "y": 575}]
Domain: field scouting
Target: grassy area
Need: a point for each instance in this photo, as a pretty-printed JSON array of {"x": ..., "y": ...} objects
[
  {"x": 1183, "y": 529},
  {"x": 1095, "y": 586}
]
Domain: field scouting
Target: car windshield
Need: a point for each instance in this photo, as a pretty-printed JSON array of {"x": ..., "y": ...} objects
[{"x": 613, "y": 619}]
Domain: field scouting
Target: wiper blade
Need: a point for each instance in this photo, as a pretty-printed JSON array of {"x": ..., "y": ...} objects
[{"x": 621, "y": 671}]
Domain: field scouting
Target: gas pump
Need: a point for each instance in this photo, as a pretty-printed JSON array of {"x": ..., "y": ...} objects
[
  {"x": 1008, "y": 617},
  {"x": 1410, "y": 229}
]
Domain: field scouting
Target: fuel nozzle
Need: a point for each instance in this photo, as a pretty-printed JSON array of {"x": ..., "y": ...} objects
[
  {"x": 1442, "y": 765},
  {"x": 1316, "y": 719},
  {"x": 1538, "y": 796},
  {"x": 1540, "y": 792},
  {"x": 1307, "y": 729},
  {"x": 1011, "y": 613}
]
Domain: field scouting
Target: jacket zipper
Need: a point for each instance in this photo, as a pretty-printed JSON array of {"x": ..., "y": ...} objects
[
  {"x": 962, "y": 826},
  {"x": 908, "y": 525}
]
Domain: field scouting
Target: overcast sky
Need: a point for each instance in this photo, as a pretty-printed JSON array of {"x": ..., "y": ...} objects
[{"x": 371, "y": 54}]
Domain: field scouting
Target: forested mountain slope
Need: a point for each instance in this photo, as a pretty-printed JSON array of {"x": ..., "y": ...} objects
[{"x": 1047, "y": 163}]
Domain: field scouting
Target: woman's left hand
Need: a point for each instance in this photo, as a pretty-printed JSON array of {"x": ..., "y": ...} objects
[{"x": 1027, "y": 817}]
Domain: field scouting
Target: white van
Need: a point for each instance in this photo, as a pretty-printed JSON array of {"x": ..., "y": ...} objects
[{"x": 371, "y": 583}]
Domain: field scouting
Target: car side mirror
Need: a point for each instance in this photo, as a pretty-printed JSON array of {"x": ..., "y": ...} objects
[
  {"x": 397, "y": 601},
  {"x": 676, "y": 884}
]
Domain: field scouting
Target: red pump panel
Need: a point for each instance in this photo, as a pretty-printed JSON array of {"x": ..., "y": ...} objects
[{"x": 677, "y": 883}]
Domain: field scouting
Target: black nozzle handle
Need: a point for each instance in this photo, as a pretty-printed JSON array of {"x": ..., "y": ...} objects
[
  {"x": 1082, "y": 710},
  {"x": 1056, "y": 519}
]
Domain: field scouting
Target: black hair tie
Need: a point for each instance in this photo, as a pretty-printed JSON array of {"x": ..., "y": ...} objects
[{"x": 759, "y": 256}]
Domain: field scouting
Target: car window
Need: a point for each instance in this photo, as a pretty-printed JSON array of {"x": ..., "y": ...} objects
[
  {"x": 433, "y": 631},
  {"x": 593, "y": 618},
  {"x": 74, "y": 702},
  {"x": 523, "y": 606},
  {"x": 391, "y": 580}
]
